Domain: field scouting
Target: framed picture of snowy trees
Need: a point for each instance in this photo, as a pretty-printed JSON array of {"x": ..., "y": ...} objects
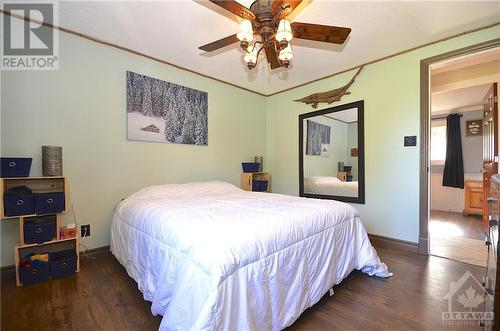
[{"x": 165, "y": 112}]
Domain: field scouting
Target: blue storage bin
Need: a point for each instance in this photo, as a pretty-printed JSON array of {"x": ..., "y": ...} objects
[
  {"x": 62, "y": 263},
  {"x": 348, "y": 178},
  {"x": 34, "y": 274},
  {"x": 38, "y": 230},
  {"x": 259, "y": 185},
  {"x": 250, "y": 166},
  {"x": 347, "y": 168},
  {"x": 15, "y": 166},
  {"x": 16, "y": 205},
  {"x": 49, "y": 203}
]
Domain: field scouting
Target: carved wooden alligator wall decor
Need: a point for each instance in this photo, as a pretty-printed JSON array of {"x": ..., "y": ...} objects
[{"x": 328, "y": 96}]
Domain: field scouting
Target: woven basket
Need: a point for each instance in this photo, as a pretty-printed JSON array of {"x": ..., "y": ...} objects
[{"x": 52, "y": 161}]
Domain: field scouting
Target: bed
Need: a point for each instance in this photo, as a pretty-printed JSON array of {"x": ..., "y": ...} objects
[
  {"x": 210, "y": 256},
  {"x": 329, "y": 185}
]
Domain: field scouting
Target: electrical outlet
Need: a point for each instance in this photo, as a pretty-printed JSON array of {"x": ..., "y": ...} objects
[{"x": 85, "y": 230}]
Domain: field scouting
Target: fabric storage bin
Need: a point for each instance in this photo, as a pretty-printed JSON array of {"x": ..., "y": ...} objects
[
  {"x": 62, "y": 263},
  {"x": 347, "y": 168},
  {"x": 34, "y": 274},
  {"x": 15, "y": 166},
  {"x": 18, "y": 201},
  {"x": 348, "y": 178},
  {"x": 38, "y": 230},
  {"x": 259, "y": 185},
  {"x": 250, "y": 167},
  {"x": 49, "y": 203}
]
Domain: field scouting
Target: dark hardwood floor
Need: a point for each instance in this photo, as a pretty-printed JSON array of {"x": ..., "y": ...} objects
[
  {"x": 470, "y": 226},
  {"x": 103, "y": 297}
]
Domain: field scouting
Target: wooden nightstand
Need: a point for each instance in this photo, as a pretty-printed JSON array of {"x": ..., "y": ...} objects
[
  {"x": 247, "y": 179},
  {"x": 473, "y": 197}
]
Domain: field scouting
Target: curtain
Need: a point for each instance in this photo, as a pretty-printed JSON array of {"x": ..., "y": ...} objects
[
  {"x": 317, "y": 134},
  {"x": 453, "y": 175}
]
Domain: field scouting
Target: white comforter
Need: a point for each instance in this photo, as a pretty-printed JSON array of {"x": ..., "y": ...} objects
[
  {"x": 210, "y": 256},
  {"x": 329, "y": 185}
]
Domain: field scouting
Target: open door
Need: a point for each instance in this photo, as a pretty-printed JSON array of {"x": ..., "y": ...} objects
[{"x": 490, "y": 145}]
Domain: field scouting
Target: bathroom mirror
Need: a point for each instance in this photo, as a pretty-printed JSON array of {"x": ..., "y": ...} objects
[{"x": 331, "y": 153}]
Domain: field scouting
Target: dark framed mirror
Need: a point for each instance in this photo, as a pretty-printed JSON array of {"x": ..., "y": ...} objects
[{"x": 332, "y": 153}]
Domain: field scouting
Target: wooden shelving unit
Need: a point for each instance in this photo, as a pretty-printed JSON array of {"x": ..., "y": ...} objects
[
  {"x": 39, "y": 185},
  {"x": 342, "y": 175},
  {"x": 248, "y": 177}
]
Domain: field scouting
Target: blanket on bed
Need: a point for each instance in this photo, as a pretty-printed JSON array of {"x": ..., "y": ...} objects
[{"x": 210, "y": 256}]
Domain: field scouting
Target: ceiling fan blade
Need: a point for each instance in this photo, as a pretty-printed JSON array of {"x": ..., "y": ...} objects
[
  {"x": 323, "y": 33},
  {"x": 290, "y": 6},
  {"x": 235, "y": 8},
  {"x": 219, "y": 43},
  {"x": 272, "y": 57}
]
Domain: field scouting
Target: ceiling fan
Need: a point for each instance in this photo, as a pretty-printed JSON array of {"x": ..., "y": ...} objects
[{"x": 267, "y": 19}]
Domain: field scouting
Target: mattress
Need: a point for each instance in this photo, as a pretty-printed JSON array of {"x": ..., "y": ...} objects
[
  {"x": 210, "y": 256},
  {"x": 329, "y": 185}
]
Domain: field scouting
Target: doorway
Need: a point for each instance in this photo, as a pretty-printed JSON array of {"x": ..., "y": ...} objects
[{"x": 451, "y": 223}]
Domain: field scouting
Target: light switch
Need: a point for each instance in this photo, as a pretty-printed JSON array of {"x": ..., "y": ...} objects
[{"x": 410, "y": 141}]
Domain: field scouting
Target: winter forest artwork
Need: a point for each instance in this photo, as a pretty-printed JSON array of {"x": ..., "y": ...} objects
[{"x": 165, "y": 112}]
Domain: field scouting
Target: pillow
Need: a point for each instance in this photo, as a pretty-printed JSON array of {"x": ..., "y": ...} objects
[{"x": 187, "y": 190}]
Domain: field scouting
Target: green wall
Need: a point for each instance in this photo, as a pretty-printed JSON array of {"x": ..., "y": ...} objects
[
  {"x": 81, "y": 107},
  {"x": 391, "y": 91}
]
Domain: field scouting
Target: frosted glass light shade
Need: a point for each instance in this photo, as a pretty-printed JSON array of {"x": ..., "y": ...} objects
[
  {"x": 251, "y": 57},
  {"x": 245, "y": 32},
  {"x": 284, "y": 31},
  {"x": 286, "y": 54}
]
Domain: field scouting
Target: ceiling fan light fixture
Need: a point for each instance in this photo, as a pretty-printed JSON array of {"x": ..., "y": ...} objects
[
  {"x": 284, "y": 33},
  {"x": 251, "y": 57},
  {"x": 270, "y": 21},
  {"x": 245, "y": 32}
]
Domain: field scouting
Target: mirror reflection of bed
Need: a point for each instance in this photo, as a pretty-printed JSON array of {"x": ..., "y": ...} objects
[{"x": 331, "y": 154}]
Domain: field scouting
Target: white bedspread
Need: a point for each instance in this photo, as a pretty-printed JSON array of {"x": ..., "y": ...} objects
[
  {"x": 210, "y": 256},
  {"x": 329, "y": 185}
]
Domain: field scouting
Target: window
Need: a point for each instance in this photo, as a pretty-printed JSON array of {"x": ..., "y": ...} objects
[{"x": 438, "y": 142}]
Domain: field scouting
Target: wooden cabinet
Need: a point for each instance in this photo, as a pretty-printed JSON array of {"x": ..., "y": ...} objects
[
  {"x": 473, "y": 197},
  {"x": 39, "y": 185},
  {"x": 345, "y": 176},
  {"x": 248, "y": 179}
]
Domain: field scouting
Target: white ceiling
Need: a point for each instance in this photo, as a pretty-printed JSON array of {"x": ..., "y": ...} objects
[
  {"x": 463, "y": 99},
  {"x": 347, "y": 116},
  {"x": 173, "y": 31}
]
